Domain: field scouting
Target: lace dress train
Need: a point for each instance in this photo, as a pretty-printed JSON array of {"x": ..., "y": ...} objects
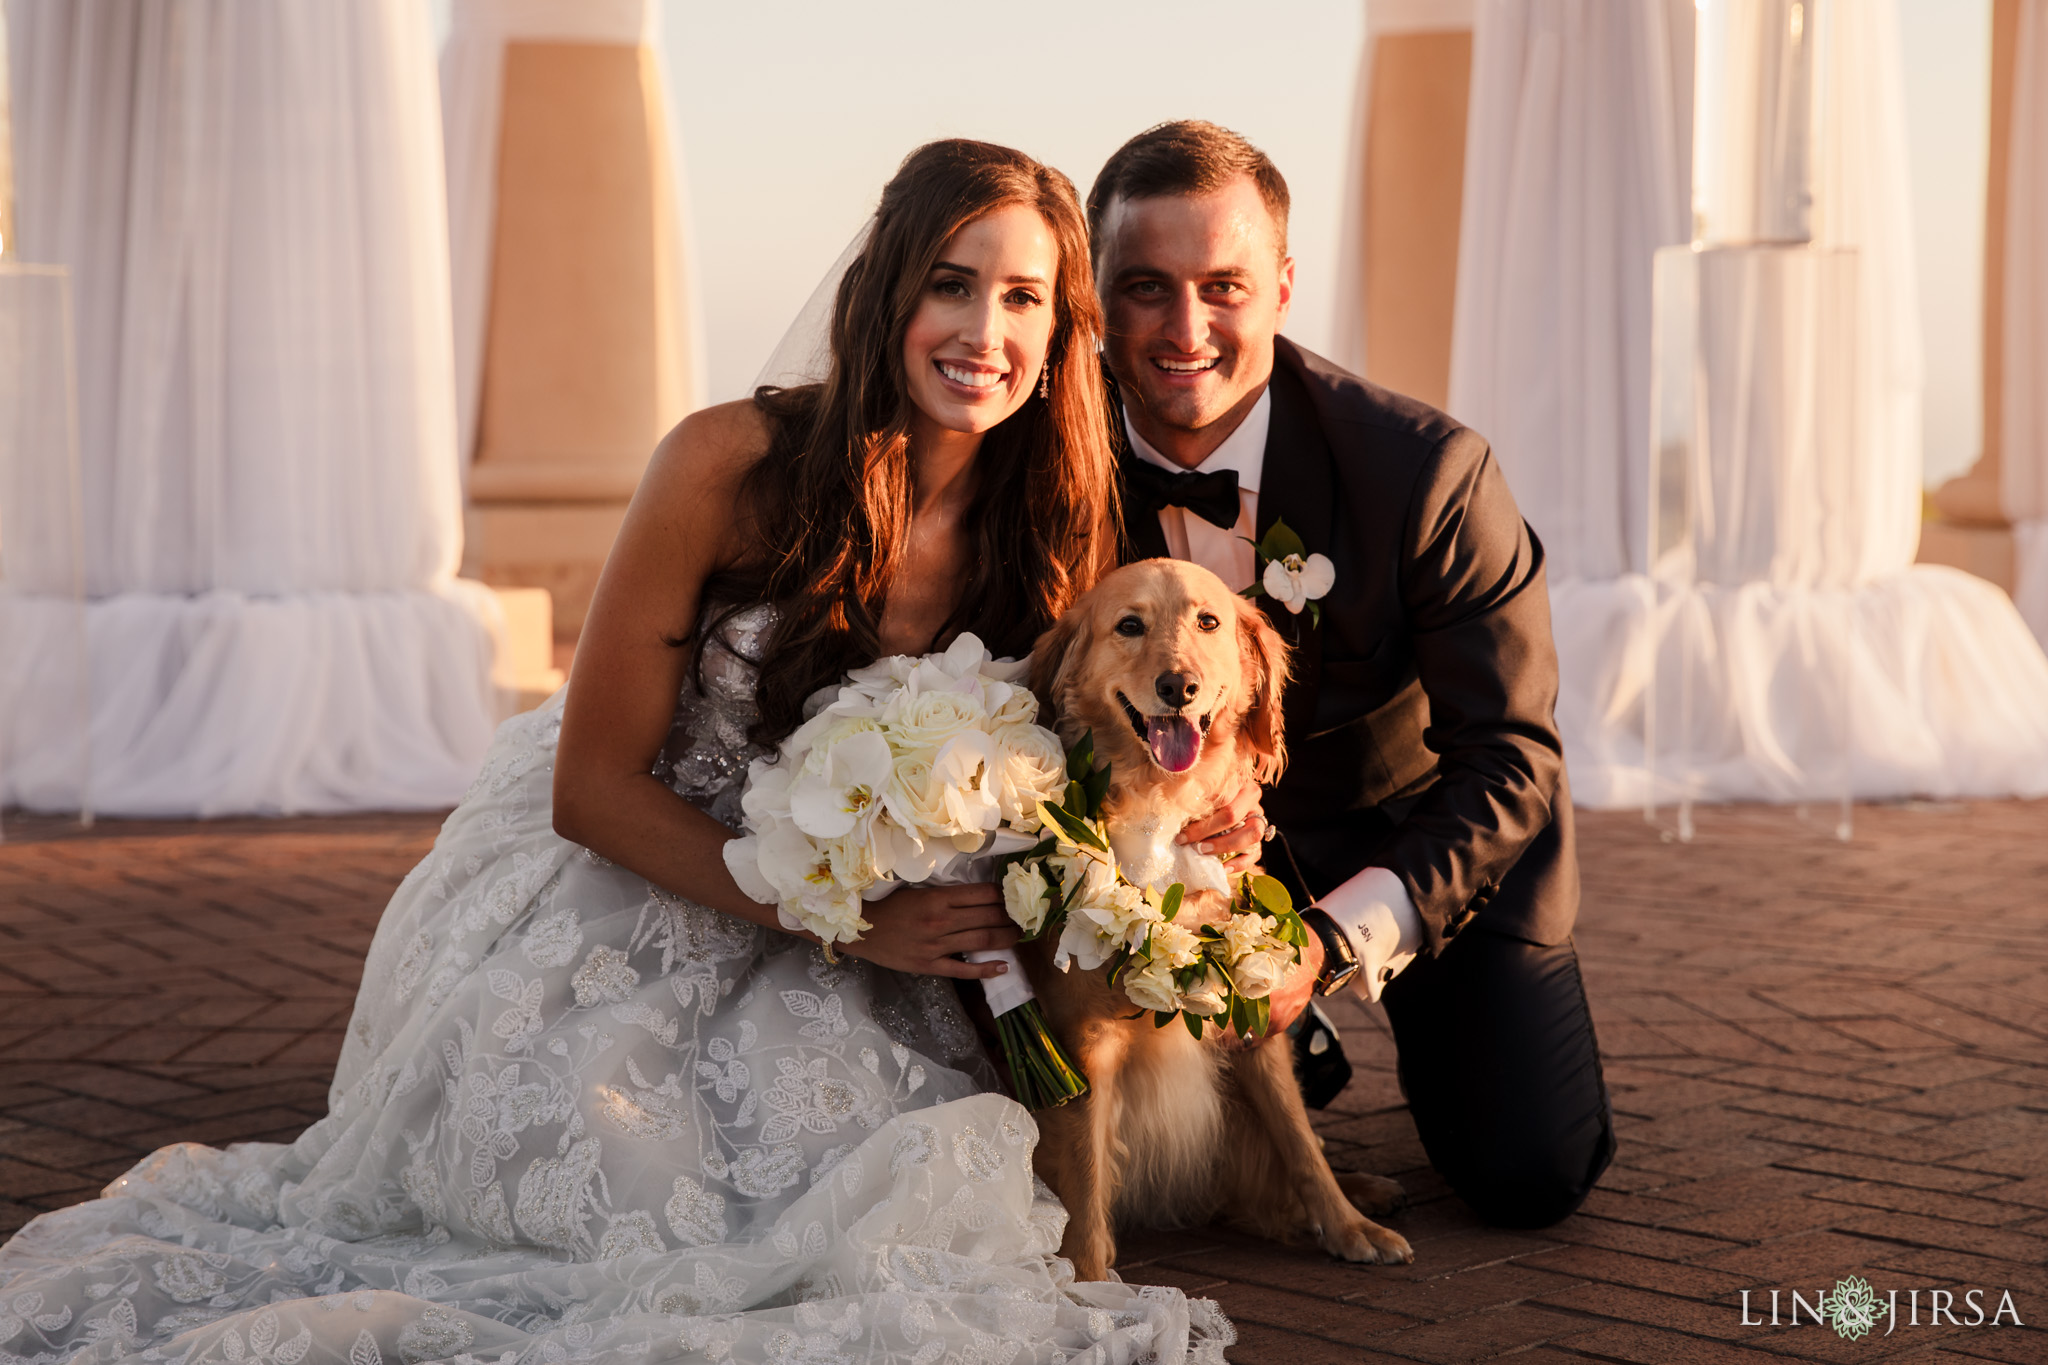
[{"x": 579, "y": 1118}]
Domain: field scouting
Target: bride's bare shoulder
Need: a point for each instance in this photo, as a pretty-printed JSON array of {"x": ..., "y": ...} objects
[{"x": 713, "y": 447}]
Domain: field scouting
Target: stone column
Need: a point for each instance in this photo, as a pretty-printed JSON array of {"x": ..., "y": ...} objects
[
  {"x": 1970, "y": 529},
  {"x": 582, "y": 338},
  {"x": 1398, "y": 275}
]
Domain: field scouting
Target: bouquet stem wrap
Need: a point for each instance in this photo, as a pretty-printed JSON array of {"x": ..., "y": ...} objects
[{"x": 1040, "y": 1070}]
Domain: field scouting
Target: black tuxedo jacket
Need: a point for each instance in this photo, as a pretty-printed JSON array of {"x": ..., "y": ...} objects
[{"x": 1420, "y": 733}]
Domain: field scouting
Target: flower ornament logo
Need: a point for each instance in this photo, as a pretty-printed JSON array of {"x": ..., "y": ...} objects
[
  {"x": 1852, "y": 1309},
  {"x": 1289, "y": 574}
]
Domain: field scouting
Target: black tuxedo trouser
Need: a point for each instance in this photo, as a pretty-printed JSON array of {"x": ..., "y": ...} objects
[{"x": 1502, "y": 1075}]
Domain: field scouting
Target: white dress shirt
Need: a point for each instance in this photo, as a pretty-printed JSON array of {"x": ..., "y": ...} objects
[{"x": 1373, "y": 908}]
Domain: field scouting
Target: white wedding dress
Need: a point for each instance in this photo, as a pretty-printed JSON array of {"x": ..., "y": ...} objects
[{"x": 579, "y": 1118}]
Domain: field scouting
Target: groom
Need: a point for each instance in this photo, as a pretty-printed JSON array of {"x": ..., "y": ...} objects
[{"x": 1425, "y": 807}]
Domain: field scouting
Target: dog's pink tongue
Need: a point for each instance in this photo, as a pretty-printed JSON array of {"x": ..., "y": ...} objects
[{"x": 1175, "y": 742}]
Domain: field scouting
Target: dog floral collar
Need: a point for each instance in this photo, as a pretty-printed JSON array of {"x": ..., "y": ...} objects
[{"x": 1289, "y": 574}]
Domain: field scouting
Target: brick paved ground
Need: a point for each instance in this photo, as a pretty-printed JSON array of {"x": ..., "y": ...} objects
[{"x": 1826, "y": 1059}]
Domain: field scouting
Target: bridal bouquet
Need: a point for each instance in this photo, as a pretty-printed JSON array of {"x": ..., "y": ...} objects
[
  {"x": 912, "y": 770},
  {"x": 1069, "y": 884}
]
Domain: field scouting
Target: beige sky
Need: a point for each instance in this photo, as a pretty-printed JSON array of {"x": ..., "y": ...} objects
[{"x": 793, "y": 113}]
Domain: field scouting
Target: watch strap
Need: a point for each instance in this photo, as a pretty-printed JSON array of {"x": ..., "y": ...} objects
[{"x": 1340, "y": 963}]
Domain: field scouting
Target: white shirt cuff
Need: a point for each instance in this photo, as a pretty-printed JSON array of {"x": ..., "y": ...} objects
[{"x": 1375, "y": 913}]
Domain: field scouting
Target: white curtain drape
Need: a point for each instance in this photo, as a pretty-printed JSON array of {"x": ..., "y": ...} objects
[
  {"x": 472, "y": 86},
  {"x": 249, "y": 200},
  {"x": 2023, "y": 463},
  {"x": 1577, "y": 170}
]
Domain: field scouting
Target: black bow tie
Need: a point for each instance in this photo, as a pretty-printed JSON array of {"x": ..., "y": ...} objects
[{"x": 1212, "y": 496}]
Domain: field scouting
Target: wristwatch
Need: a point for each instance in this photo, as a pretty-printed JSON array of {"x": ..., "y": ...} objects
[{"x": 1340, "y": 964}]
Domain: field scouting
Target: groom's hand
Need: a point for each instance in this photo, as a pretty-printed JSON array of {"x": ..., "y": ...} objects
[
  {"x": 1291, "y": 996},
  {"x": 1234, "y": 828}
]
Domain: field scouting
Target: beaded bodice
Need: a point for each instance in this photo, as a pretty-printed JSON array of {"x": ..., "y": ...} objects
[{"x": 708, "y": 751}]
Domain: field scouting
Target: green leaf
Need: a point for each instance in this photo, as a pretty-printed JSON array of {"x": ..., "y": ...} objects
[
  {"x": 1194, "y": 1023},
  {"x": 1081, "y": 757},
  {"x": 1240, "y": 1015},
  {"x": 1261, "y": 1015},
  {"x": 1254, "y": 592},
  {"x": 1281, "y": 541},
  {"x": 1096, "y": 783},
  {"x": 1072, "y": 826},
  {"x": 1272, "y": 896},
  {"x": 1161, "y": 1018},
  {"x": 1076, "y": 800},
  {"x": 1169, "y": 904}
]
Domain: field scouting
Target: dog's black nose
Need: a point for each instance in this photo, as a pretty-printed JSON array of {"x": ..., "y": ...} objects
[{"x": 1176, "y": 689}]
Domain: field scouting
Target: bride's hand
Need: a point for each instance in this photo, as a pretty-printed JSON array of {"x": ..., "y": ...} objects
[{"x": 922, "y": 929}]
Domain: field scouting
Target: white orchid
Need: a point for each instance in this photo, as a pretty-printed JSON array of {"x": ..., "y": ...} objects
[
  {"x": 1082, "y": 944},
  {"x": 840, "y": 787},
  {"x": 1294, "y": 581}
]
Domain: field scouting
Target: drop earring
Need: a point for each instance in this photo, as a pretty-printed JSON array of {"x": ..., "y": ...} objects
[{"x": 1045, "y": 380}]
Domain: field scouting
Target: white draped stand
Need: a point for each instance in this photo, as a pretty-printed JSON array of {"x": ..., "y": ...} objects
[
  {"x": 1791, "y": 651},
  {"x": 249, "y": 201}
]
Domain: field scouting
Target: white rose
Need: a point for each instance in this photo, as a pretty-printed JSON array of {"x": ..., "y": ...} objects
[
  {"x": 1175, "y": 945},
  {"x": 1247, "y": 933},
  {"x": 1008, "y": 705},
  {"x": 927, "y": 720},
  {"x": 1259, "y": 974},
  {"x": 1151, "y": 988},
  {"x": 1026, "y": 895},
  {"x": 914, "y": 800},
  {"x": 1207, "y": 997},
  {"x": 960, "y": 770},
  {"x": 1030, "y": 766}
]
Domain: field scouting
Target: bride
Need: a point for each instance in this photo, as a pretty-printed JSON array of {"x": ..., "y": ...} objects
[{"x": 593, "y": 1103}]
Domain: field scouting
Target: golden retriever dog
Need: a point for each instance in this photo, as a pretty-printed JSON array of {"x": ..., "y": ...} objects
[{"x": 1179, "y": 679}]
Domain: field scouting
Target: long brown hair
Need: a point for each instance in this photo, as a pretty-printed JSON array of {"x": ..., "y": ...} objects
[{"x": 832, "y": 496}]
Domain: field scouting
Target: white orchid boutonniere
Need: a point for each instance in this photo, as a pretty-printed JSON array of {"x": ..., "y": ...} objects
[{"x": 1289, "y": 574}]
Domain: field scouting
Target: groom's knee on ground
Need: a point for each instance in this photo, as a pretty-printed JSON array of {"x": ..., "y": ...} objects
[{"x": 1533, "y": 1188}]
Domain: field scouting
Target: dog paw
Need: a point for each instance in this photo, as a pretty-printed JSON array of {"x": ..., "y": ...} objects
[
  {"x": 1372, "y": 1193},
  {"x": 1366, "y": 1241}
]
